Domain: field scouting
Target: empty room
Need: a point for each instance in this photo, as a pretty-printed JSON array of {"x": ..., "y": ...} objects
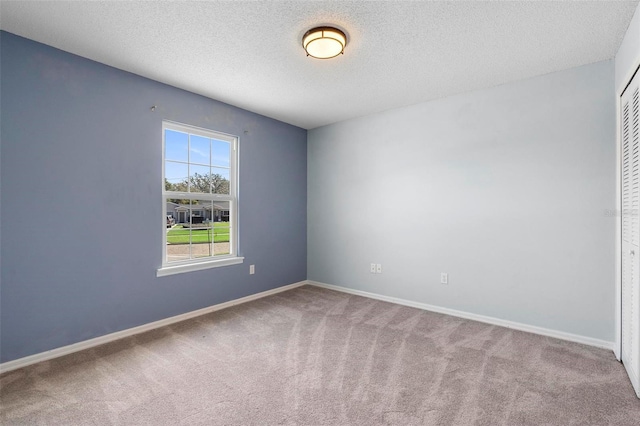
[{"x": 320, "y": 212}]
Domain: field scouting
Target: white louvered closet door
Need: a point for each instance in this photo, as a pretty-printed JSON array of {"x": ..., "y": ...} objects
[{"x": 630, "y": 131}]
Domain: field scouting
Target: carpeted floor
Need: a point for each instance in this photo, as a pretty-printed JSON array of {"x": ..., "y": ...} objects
[{"x": 311, "y": 356}]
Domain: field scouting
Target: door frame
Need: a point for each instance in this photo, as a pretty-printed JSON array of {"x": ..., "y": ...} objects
[{"x": 617, "y": 346}]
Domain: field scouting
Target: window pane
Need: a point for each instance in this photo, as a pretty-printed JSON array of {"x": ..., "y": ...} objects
[
  {"x": 221, "y": 228},
  {"x": 176, "y": 175},
  {"x": 200, "y": 164},
  {"x": 176, "y": 145},
  {"x": 201, "y": 229},
  {"x": 199, "y": 150},
  {"x": 221, "y": 211},
  {"x": 178, "y": 236},
  {"x": 221, "y": 238},
  {"x": 199, "y": 179},
  {"x": 220, "y": 180},
  {"x": 171, "y": 213},
  {"x": 221, "y": 153}
]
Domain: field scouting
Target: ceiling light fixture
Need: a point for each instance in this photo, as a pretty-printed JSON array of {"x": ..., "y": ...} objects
[{"x": 324, "y": 42}]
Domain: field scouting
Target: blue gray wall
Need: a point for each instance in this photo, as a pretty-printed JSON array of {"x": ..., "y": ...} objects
[
  {"x": 81, "y": 200},
  {"x": 505, "y": 189}
]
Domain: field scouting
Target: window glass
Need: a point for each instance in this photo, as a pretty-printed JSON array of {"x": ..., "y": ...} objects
[{"x": 199, "y": 215}]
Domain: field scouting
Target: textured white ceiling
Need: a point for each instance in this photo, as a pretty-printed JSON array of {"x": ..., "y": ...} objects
[{"x": 249, "y": 54}]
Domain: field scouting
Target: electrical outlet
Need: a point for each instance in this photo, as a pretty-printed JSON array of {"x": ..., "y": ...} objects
[
  {"x": 378, "y": 268},
  {"x": 373, "y": 268},
  {"x": 252, "y": 269},
  {"x": 444, "y": 278}
]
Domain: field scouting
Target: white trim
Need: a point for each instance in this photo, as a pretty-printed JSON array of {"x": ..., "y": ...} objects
[
  {"x": 635, "y": 66},
  {"x": 169, "y": 268},
  {"x": 76, "y": 347},
  {"x": 633, "y": 376},
  {"x": 69, "y": 349},
  {"x": 617, "y": 347},
  {"x": 190, "y": 267},
  {"x": 628, "y": 76},
  {"x": 198, "y": 131},
  {"x": 475, "y": 317}
]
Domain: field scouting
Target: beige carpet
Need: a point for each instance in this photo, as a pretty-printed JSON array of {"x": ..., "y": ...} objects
[{"x": 312, "y": 357}]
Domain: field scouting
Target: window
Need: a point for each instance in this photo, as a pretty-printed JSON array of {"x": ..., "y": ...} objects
[{"x": 199, "y": 191}]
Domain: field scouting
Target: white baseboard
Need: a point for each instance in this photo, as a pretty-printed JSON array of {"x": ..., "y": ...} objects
[
  {"x": 86, "y": 344},
  {"x": 65, "y": 350},
  {"x": 481, "y": 318}
]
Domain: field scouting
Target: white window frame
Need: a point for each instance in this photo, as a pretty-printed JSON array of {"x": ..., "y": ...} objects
[{"x": 170, "y": 268}]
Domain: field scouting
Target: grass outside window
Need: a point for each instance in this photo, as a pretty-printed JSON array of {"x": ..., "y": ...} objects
[{"x": 218, "y": 233}]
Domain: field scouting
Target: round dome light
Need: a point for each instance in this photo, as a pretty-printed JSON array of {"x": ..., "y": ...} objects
[{"x": 324, "y": 42}]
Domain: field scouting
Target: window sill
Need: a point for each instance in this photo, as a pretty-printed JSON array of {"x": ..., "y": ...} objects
[{"x": 190, "y": 267}]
